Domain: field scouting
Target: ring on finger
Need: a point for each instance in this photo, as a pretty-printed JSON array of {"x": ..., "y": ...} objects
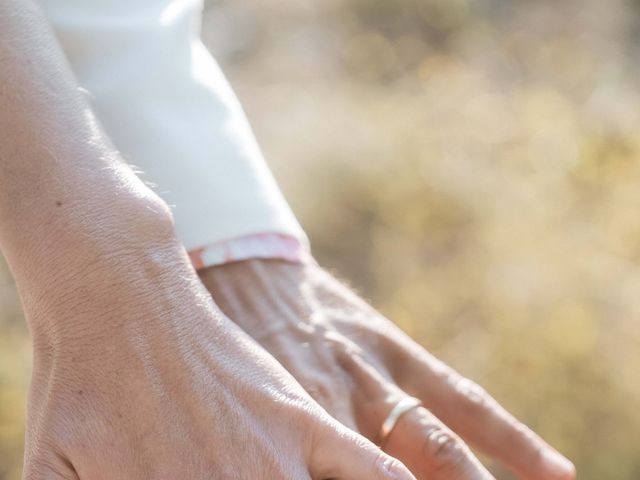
[{"x": 405, "y": 405}]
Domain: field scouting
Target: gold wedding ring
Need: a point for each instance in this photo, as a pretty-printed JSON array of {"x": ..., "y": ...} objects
[{"x": 403, "y": 406}]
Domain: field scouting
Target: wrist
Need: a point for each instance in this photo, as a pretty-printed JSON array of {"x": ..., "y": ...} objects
[
  {"x": 115, "y": 213},
  {"x": 92, "y": 262}
]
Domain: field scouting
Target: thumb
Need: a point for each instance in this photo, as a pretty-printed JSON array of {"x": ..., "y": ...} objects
[{"x": 342, "y": 454}]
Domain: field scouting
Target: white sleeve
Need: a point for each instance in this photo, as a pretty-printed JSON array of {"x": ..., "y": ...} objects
[{"x": 169, "y": 110}]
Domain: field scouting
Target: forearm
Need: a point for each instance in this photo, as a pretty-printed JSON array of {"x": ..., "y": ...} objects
[
  {"x": 67, "y": 202},
  {"x": 48, "y": 139},
  {"x": 197, "y": 147}
]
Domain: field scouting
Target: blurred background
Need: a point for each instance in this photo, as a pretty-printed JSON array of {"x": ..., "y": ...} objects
[{"x": 471, "y": 166}]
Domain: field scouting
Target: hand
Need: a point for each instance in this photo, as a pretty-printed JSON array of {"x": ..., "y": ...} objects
[
  {"x": 138, "y": 376},
  {"x": 357, "y": 364}
]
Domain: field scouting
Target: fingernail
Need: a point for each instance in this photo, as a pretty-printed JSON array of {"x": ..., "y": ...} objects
[{"x": 558, "y": 464}]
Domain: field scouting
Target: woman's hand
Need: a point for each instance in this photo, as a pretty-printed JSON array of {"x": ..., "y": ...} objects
[
  {"x": 357, "y": 365},
  {"x": 137, "y": 376}
]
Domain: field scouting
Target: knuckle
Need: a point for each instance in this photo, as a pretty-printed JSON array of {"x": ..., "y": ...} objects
[
  {"x": 321, "y": 392},
  {"x": 387, "y": 467},
  {"x": 331, "y": 389},
  {"x": 519, "y": 434},
  {"x": 536, "y": 457},
  {"x": 476, "y": 398},
  {"x": 341, "y": 346},
  {"x": 444, "y": 449}
]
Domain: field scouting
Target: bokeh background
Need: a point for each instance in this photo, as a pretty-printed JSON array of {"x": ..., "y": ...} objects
[{"x": 471, "y": 166}]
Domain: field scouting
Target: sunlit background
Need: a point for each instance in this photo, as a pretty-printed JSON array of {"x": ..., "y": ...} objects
[{"x": 471, "y": 166}]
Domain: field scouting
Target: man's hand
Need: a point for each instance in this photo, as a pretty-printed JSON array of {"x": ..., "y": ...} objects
[
  {"x": 357, "y": 364},
  {"x": 137, "y": 376}
]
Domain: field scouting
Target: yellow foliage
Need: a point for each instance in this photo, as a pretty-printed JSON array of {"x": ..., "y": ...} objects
[{"x": 472, "y": 167}]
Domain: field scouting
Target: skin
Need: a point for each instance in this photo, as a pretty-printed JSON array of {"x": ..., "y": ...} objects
[
  {"x": 137, "y": 375},
  {"x": 357, "y": 365}
]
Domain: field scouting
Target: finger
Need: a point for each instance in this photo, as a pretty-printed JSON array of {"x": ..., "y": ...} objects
[
  {"x": 329, "y": 393},
  {"x": 431, "y": 450},
  {"x": 428, "y": 448},
  {"x": 467, "y": 409},
  {"x": 344, "y": 455}
]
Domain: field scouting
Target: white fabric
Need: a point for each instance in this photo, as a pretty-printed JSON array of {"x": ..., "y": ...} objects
[{"x": 169, "y": 110}]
